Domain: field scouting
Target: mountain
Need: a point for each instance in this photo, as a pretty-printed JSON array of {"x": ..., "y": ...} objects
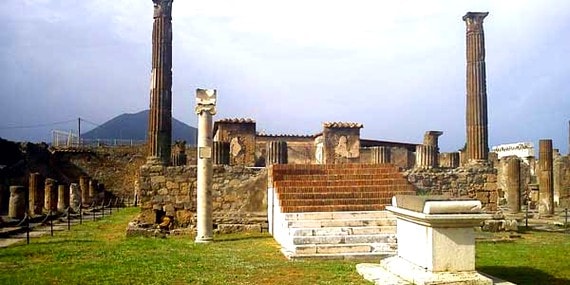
[{"x": 135, "y": 127}]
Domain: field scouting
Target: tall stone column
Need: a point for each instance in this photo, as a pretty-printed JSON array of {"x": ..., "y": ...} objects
[
  {"x": 35, "y": 202},
  {"x": 93, "y": 184},
  {"x": 513, "y": 170},
  {"x": 381, "y": 154},
  {"x": 545, "y": 178},
  {"x": 425, "y": 156},
  {"x": 276, "y": 153},
  {"x": 205, "y": 109},
  {"x": 476, "y": 115},
  {"x": 50, "y": 195},
  {"x": 221, "y": 153},
  {"x": 61, "y": 203},
  {"x": 160, "y": 116},
  {"x": 17, "y": 206},
  {"x": 84, "y": 188}
]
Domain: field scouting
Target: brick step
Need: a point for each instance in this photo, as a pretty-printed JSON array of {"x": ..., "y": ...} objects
[
  {"x": 321, "y": 167},
  {"x": 340, "y": 223},
  {"x": 344, "y": 239},
  {"x": 379, "y": 248},
  {"x": 388, "y": 189},
  {"x": 333, "y": 181},
  {"x": 338, "y": 231},
  {"x": 372, "y": 215},
  {"x": 333, "y": 201},
  {"x": 332, "y": 208},
  {"x": 341, "y": 175},
  {"x": 336, "y": 195}
]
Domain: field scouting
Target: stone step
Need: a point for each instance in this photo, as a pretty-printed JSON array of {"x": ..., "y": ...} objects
[
  {"x": 388, "y": 189},
  {"x": 334, "y": 195},
  {"x": 296, "y": 168},
  {"x": 339, "y": 215},
  {"x": 331, "y": 208},
  {"x": 338, "y": 231},
  {"x": 363, "y": 256},
  {"x": 379, "y": 248},
  {"x": 299, "y": 224},
  {"x": 339, "y": 182},
  {"x": 335, "y": 201},
  {"x": 344, "y": 239}
]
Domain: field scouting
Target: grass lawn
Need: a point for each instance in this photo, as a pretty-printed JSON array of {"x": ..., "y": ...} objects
[
  {"x": 98, "y": 253},
  {"x": 537, "y": 258}
]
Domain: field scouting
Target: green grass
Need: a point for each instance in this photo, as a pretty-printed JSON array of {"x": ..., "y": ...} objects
[
  {"x": 99, "y": 253},
  {"x": 536, "y": 258}
]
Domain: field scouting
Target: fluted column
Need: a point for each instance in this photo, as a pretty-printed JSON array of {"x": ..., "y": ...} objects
[
  {"x": 513, "y": 170},
  {"x": 545, "y": 178},
  {"x": 160, "y": 115},
  {"x": 74, "y": 197},
  {"x": 84, "y": 189},
  {"x": 17, "y": 205},
  {"x": 381, "y": 154},
  {"x": 205, "y": 109},
  {"x": 276, "y": 153},
  {"x": 221, "y": 153},
  {"x": 179, "y": 157},
  {"x": 431, "y": 138},
  {"x": 425, "y": 156},
  {"x": 35, "y": 201},
  {"x": 61, "y": 204},
  {"x": 476, "y": 115}
]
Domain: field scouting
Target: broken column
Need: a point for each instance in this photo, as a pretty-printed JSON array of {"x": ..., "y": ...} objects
[
  {"x": 17, "y": 206},
  {"x": 74, "y": 197},
  {"x": 93, "y": 185},
  {"x": 61, "y": 201},
  {"x": 160, "y": 116},
  {"x": 221, "y": 153},
  {"x": 50, "y": 195},
  {"x": 205, "y": 109},
  {"x": 513, "y": 185},
  {"x": 545, "y": 178},
  {"x": 425, "y": 156},
  {"x": 276, "y": 153},
  {"x": 35, "y": 203},
  {"x": 476, "y": 115},
  {"x": 431, "y": 138},
  {"x": 179, "y": 157},
  {"x": 381, "y": 154}
]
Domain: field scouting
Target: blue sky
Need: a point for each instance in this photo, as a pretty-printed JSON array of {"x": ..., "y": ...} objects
[{"x": 398, "y": 67}]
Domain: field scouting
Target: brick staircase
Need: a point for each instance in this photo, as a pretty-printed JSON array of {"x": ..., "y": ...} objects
[{"x": 334, "y": 211}]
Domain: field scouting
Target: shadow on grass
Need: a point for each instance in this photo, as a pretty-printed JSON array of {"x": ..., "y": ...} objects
[
  {"x": 221, "y": 238},
  {"x": 522, "y": 275},
  {"x": 50, "y": 242}
]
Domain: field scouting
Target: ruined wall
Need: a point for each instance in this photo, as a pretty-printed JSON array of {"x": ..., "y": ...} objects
[
  {"x": 240, "y": 133},
  {"x": 562, "y": 181},
  {"x": 473, "y": 182},
  {"x": 341, "y": 143},
  {"x": 238, "y": 196},
  {"x": 403, "y": 157},
  {"x": 300, "y": 149},
  {"x": 502, "y": 180}
]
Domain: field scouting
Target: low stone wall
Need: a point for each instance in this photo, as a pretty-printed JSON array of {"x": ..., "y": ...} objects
[
  {"x": 238, "y": 197},
  {"x": 470, "y": 181}
]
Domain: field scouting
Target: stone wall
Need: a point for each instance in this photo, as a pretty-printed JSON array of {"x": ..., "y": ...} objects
[
  {"x": 239, "y": 196},
  {"x": 473, "y": 182},
  {"x": 341, "y": 143},
  {"x": 300, "y": 149},
  {"x": 562, "y": 181},
  {"x": 240, "y": 133}
]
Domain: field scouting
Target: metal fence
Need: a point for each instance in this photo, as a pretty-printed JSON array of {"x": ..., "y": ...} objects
[{"x": 71, "y": 139}]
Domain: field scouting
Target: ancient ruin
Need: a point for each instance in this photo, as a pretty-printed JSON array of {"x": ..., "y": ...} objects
[
  {"x": 160, "y": 117},
  {"x": 476, "y": 115},
  {"x": 545, "y": 178}
]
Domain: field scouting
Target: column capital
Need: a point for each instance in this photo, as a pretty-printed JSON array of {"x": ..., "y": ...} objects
[
  {"x": 206, "y": 101},
  {"x": 162, "y": 8},
  {"x": 474, "y": 20}
]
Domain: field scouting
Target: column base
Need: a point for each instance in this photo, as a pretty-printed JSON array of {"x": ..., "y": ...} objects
[{"x": 204, "y": 240}]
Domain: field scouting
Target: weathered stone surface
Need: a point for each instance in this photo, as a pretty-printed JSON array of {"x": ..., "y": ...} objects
[
  {"x": 381, "y": 154},
  {"x": 276, "y": 152},
  {"x": 17, "y": 205},
  {"x": 74, "y": 197},
  {"x": 240, "y": 134},
  {"x": 35, "y": 193},
  {"x": 221, "y": 153},
  {"x": 50, "y": 195},
  {"x": 562, "y": 181},
  {"x": 545, "y": 178},
  {"x": 426, "y": 156},
  {"x": 179, "y": 153},
  {"x": 341, "y": 142},
  {"x": 84, "y": 189},
  {"x": 449, "y": 160},
  {"x": 62, "y": 203}
]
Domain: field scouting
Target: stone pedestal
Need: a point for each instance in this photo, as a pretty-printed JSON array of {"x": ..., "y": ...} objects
[
  {"x": 513, "y": 168},
  {"x": 426, "y": 156},
  {"x": 221, "y": 153},
  {"x": 276, "y": 153},
  {"x": 84, "y": 189},
  {"x": 436, "y": 243},
  {"x": 381, "y": 154},
  {"x": 160, "y": 115},
  {"x": 545, "y": 178},
  {"x": 205, "y": 109},
  {"x": 74, "y": 197},
  {"x": 35, "y": 195},
  {"x": 17, "y": 205},
  {"x": 476, "y": 115},
  {"x": 50, "y": 195}
]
